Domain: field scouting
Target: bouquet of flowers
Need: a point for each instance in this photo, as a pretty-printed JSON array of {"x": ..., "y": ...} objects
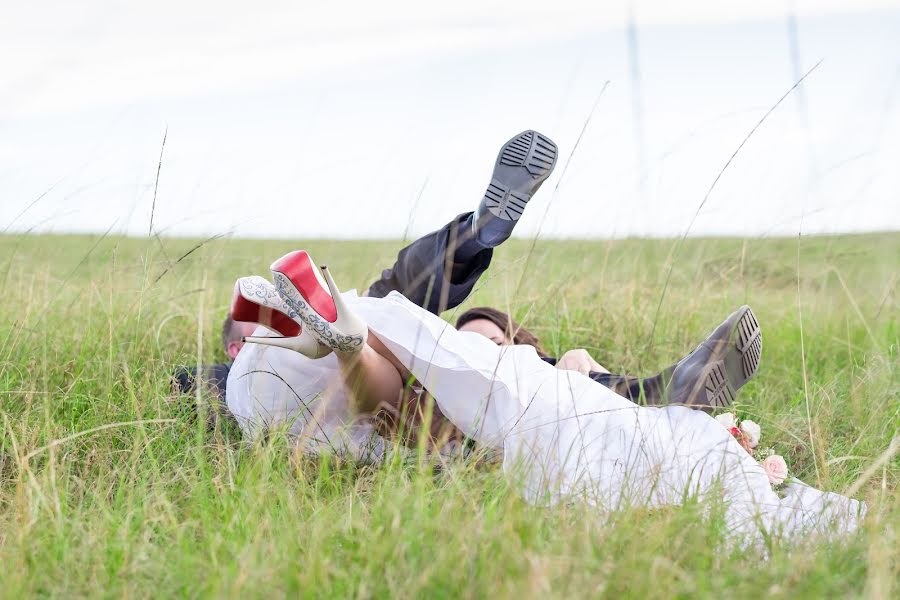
[{"x": 747, "y": 433}]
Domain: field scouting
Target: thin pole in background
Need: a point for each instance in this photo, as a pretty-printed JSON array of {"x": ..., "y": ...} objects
[
  {"x": 800, "y": 98},
  {"x": 637, "y": 105}
]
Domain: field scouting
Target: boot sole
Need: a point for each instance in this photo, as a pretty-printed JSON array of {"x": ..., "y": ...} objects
[
  {"x": 739, "y": 363},
  {"x": 522, "y": 166}
]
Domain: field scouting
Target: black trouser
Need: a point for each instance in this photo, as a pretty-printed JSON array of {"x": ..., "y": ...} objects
[
  {"x": 650, "y": 391},
  {"x": 439, "y": 271}
]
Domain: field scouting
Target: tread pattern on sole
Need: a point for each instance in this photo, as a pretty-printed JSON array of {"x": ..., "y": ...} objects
[
  {"x": 535, "y": 152},
  {"x": 503, "y": 203},
  {"x": 719, "y": 392},
  {"x": 749, "y": 343}
]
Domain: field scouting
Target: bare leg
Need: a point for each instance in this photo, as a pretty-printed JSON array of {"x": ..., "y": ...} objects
[
  {"x": 376, "y": 382},
  {"x": 371, "y": 378}
]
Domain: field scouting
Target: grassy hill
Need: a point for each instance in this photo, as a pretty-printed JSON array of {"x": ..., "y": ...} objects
[{"x": 109, "y": 487}]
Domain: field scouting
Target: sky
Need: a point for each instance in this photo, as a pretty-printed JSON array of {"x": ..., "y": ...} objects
[{"x": 383, "y": 120}]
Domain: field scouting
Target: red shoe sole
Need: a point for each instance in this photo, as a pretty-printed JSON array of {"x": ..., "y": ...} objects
[
  {"x": 299, "y": 268},
  {"x": 251, "y": 312}
]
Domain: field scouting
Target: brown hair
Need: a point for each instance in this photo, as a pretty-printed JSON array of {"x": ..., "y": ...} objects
[
  {"x": 229, "y": 333},
  {"x": 518, "y": 334}
]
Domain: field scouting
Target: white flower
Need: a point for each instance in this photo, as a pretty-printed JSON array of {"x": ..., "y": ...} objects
[
  {"x": 727, "y": 420},
  {"x": 752, "y": 430},
  {"x": 776, "y": 469}
]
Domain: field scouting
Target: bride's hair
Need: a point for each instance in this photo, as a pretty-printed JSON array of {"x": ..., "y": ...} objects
[{"x": 518, "y": 334}]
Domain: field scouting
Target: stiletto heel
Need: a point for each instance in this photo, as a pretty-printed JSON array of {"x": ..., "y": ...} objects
[
  {"x": 306, "y": 345},
  {"x": 325, "y": 314},
  {"x": 255, "y": 300},
  {"x": 347, "y": 320}
]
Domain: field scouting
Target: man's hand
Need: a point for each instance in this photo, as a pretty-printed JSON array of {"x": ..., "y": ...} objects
[{"x": 579, "y": 360}]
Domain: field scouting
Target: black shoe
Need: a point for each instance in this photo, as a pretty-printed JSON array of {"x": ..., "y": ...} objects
[
  {"x": 710, "y": 376},
  {"x": 522, "y": 166}
]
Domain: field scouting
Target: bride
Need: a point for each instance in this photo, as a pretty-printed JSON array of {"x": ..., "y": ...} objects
[{"x": 561, "y": 435}]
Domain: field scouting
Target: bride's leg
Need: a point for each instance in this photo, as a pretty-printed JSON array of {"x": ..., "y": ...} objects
[
  {"x": 371, "y": 378},
  {"x": 377, "y": 383}
]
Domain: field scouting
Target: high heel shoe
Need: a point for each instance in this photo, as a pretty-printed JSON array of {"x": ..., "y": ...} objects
[
  {"x": 324, "y": 314},
  {"x": 255, "y": 300}
]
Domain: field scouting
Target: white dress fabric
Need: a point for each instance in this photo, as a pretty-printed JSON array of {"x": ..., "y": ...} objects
[
  {"x": 563, "y": 436},
  {"x": 272, "y": 388}
]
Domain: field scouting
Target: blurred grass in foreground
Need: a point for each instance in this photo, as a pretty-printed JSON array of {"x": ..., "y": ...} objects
[{"x": 93, "y": 327}]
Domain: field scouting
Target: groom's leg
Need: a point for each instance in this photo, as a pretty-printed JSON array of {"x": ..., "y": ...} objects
[
  {"x": 707, "y": 378},
  {"x": 437, "y": 271},
  {"x": 649, "y": 391},
  {"x": 440, "y": 270}
]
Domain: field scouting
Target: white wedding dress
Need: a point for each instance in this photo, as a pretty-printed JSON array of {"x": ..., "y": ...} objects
[{"x": 563, "y": 436}]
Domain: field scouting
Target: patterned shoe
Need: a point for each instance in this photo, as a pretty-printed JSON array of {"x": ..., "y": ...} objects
[
  {"x": 323, "y": 312},
  {"x": 710, "y": 376},
  {"x": 255, "y": 300},
  {"x": 524, "y": 163}
]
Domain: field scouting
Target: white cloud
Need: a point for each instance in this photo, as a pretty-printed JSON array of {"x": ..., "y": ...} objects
[
  {"x": 325, "y": 119},
  {"x": 70, "y": 56}
]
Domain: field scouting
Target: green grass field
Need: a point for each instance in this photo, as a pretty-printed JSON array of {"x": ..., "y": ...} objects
[{"x": 109, "y": 487}]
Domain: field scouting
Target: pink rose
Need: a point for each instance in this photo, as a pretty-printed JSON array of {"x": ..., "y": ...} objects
[{"x": 776, "y": 469}]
